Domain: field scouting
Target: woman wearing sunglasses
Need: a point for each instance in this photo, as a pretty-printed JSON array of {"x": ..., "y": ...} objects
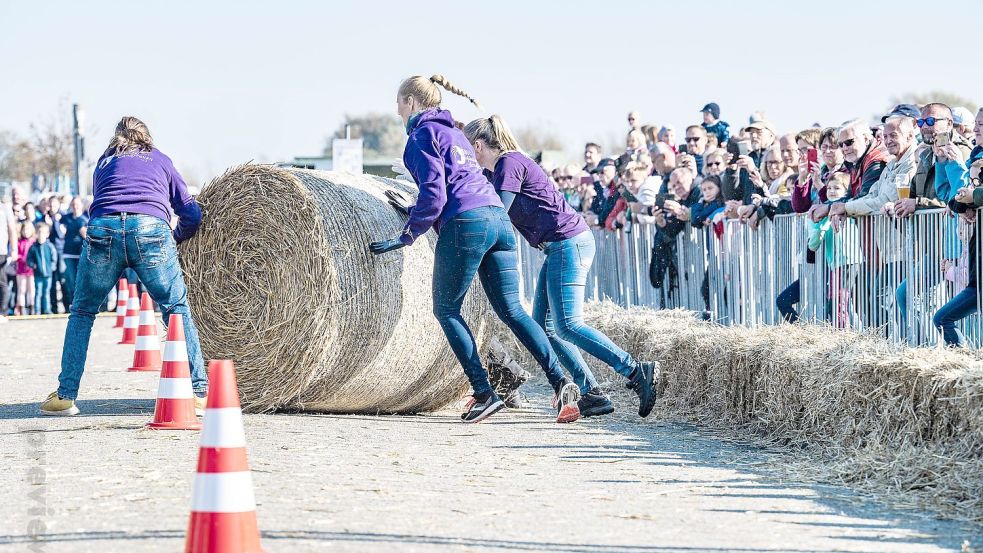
[{"x": 545, "y": 220}]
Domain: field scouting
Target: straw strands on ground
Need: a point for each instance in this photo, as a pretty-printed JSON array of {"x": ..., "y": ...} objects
[
  {"x": 881, "y": 416},
  {"x": 281, "y": 280}
]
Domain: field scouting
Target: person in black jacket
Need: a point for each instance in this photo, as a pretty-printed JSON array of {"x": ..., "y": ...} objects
[
  {"x": 42, "y": 257},
  {"x": 967, "y": 201},
  {"x": 670, "y": 219}
]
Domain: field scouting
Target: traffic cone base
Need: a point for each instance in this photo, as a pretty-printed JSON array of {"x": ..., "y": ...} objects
[
  {"x": 175, "y": 408},
  {"x": 237, "y": 532}
]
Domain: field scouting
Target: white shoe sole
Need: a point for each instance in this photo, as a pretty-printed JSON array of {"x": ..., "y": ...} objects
[
  {"x": 569, "y": 410},
  {"x": 73, "y": 410},
  {"x": 495, "y": 407}
]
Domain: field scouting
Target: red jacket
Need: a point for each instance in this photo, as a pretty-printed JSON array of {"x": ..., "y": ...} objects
[{"x": 868, "y": 169}]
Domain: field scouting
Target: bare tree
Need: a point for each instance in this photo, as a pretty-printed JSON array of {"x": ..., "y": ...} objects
[
  {"x": 382, "y": 135},
  {"x": 17, "y": 158},
  {"x": 537, "y": 140}
]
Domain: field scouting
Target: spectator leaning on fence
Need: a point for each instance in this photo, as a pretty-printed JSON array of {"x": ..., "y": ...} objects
[
  {"x": 670, "y": 220},
  {"x": 605, "y": 192},
  {"x": 865, "y": 160},
  {"x": 967, "y": 203}
]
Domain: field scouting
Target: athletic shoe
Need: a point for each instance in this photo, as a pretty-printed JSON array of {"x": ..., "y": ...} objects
[
  {"x": 58, "y": 406},
  {"x": 594, "y": 404},
  {"x": 481, "y": 410},
  {"x": 643, "y": 385},
  {"x": 565, "y": 402}
]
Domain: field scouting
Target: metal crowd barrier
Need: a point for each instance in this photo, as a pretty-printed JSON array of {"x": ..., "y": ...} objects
[{"x": 852, "y": 280}]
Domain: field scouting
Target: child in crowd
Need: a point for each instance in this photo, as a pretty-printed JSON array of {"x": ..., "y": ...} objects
[
  {"x": 841, "y": 248},
  {"x": 703, "y": 214},
  {"x": 714, "y": 126},
  {"x": 25, "y": 275},
  {"x": 41, "y": 258}
]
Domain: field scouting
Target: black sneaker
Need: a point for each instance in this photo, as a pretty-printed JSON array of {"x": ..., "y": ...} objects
[
  {"x": 566, "y": 402},
  {"x": 481, "y": 410},
  {"x": 594, "y": 404},
  {"x": 643, "y": 384}
]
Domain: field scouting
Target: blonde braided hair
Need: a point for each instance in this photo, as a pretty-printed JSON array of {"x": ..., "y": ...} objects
[{"x": 426, "y": 92}]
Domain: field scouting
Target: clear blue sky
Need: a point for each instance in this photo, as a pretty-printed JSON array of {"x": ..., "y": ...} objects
[{"x": 223, "y": 82}]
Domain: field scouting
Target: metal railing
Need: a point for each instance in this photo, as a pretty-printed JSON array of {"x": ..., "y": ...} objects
[{"x": 875, "y": 273}]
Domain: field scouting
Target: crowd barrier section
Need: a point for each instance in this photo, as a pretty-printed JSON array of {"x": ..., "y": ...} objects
[{"x": 877, "y": 274}]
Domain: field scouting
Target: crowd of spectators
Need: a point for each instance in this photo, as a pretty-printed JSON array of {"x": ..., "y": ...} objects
[
  {"x": 914, "y": 158},
  {"x": 40, "y": 246}
]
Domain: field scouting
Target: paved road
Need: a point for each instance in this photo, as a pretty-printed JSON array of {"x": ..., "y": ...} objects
[{"x": 428, "y": 483}]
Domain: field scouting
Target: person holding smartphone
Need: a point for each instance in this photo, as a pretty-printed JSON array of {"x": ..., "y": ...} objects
[{"x": 547, "y": 222}]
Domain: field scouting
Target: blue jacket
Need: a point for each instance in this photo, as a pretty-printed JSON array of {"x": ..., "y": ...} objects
[
  {"x": 720, "y": 128},
  {"x": 42, "y": 258},
  {"x": 443, "y": 164}
]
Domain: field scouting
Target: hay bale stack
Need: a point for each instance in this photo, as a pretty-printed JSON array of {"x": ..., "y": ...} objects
[
  {"x": 887, "y": 417},
  {"x": 280, "y": 279}
]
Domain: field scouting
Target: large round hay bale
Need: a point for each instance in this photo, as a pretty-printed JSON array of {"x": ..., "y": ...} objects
[{"x": 280, "y": 279}]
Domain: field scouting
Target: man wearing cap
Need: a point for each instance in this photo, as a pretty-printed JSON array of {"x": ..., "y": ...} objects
[
  {"x": 606, "y": 189},
  {"x": 963, "y": 122},
  {"x": 713, "y": 124},
  {"x": 762, "y": 136}
]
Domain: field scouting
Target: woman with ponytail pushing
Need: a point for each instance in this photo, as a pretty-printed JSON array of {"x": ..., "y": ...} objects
[
  {"x": 474, "y": 238},
  {"x": 539, "y": 212},
  {"x": 136, "y": 188}
]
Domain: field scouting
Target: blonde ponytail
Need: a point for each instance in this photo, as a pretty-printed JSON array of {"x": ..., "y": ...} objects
[
  {"x": 442, "y": 81},
  {"x": 493, "y": 132},
  {"x": 131, "y": 135}
]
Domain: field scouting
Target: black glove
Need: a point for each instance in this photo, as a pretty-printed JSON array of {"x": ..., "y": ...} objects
[
  {"x": 385, "y": 246},
  {"x": 399, "y": 201}
]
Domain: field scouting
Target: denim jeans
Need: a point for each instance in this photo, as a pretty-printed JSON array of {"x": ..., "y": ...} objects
[
  {"x": 958, "y": 308},
  {"x": 481, "y": 241},
  {"x": 70, "y": 276},
  {"x": 113, "y": 243},
  {"x": 558, "y": 307},
  {"x": 786, "y": 301},
  {"x": 42, "y": 299}
]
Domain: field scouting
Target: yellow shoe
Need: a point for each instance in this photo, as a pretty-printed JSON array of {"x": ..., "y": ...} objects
[
  {"x": 58, "y": 407},
  {"x": 200, "y": 405}
]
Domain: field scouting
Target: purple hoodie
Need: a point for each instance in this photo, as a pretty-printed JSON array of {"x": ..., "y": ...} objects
[
  {"x": 443, "y": 164},
  {"x": 145, "y": 183}
]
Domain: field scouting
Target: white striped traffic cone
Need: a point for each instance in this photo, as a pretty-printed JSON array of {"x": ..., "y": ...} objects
[
  {"x": 132, "y": 319},
  {"x": 121, "y": 300},
  {"x": 146, "y": 356},
  {"x": 175, "y": 409},
  {"x": 223, "y": 508}
]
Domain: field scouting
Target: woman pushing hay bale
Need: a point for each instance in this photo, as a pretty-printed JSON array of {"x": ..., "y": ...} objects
[{"x": 280, "y": 280}]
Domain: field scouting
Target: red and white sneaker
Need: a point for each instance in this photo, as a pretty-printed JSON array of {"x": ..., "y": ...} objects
[{"x": 565, "y": 403}]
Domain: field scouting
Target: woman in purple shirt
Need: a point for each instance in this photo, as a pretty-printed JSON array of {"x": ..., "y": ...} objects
[
  {"x": 546, "y": 221},
  {"x": 135, "y": 188},
  {"x": 474, "y": 238}
]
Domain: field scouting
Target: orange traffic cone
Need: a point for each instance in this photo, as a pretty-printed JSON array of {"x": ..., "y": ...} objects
[
  {"x": 121, "y": 300},
  {"x": 146, "y": 357},
  {"x": 132, "y": 317},
  {"x": 175, "y": 408},
  {"x": 223, "y": 508}
]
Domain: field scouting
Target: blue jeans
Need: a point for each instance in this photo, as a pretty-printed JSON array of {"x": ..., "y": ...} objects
[
  {"x": 558, "y": 307},
  {"x": 42, "y": 299},
  {"x": 958, "y": 308},
  {"x": 481, "y": 241},
  {"x": 71, "y": 272},
  {"x": 787, "y": 300},
  {"x": 113, "y": 243}
]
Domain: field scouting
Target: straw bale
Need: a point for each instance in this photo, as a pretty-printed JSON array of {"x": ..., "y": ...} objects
[
  {"x": 890, "y": 418},
  {"x": 280, "y": 279}
]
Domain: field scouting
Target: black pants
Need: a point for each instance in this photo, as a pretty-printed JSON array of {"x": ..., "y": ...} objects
[{"x": 3, "y": 287}]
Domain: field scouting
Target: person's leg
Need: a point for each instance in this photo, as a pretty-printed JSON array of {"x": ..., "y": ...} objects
[
  {"x": 569, "y": 355},
  {"x": 499, "y": 276},
  {"x": 786, "y": 301},
  {"x": 958, "y": 308},
  {"x": 30, "y": 294},
  {"x": 566, "y": 283},
  {"x": 42, "y": 297},
  {"x": 152, "y": 254},
  {"x": 53, "y": 286},
  {"x": 100, "y": 265},
  {"x": 68, "y": 288},
  {"x": 460, "y": 247},
  {"x": 21, "y": 294},
  {"x": 3, "y": 287}
]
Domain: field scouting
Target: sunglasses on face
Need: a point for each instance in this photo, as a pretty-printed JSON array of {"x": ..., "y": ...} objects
[
  {"x": 848, "y": 143},
  {"x": 564, "y": 177},
  {"x": 715, "y": 164},
  {"x": 930, "y": 121},
  {"x": 692, "y": 139}
]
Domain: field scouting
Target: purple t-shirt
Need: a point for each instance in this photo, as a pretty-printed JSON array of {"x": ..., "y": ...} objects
[
  {"x": 539, "y": 211},
  {"x": 145, "y": 183}
]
